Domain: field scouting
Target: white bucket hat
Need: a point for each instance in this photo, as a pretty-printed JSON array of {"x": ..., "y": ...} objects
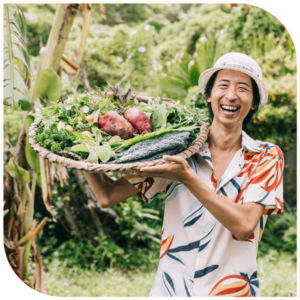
[{"x": 238, "y": 62}]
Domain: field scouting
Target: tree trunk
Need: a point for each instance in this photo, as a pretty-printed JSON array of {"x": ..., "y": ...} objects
[{"x": 69, "y": 217}]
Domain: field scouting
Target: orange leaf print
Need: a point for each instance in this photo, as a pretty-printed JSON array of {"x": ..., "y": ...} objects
[
  {"x": 165, "y": 245},
  {"x": 232, "y": 285},
  {"x": 279, "y": 203},
  {"x": 264, "y": 169},
  {"x": 214, "y": 179}
]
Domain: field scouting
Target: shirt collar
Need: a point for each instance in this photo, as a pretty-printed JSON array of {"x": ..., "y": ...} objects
[{"x": 248, "y": 143}]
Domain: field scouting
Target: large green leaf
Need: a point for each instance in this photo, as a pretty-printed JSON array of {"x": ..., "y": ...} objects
[
  {"x": 16, "y": 59},
  {"x": 93, "y": 156},
  {"x": 159, "y": 117},
  {"x": 49, "y": 85},
  {"x": 104, "y": 152},
  {"x": 32, "y": 157},
  {"x": 80, "y": 147},
  {"x": 17, "y": 172}
]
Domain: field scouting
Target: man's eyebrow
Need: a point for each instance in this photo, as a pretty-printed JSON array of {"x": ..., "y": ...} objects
[
  {"x": 224, "y": 80},
  {"x": 244, "y": 83}
]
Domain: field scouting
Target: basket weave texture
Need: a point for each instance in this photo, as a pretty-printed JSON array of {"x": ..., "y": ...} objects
[{"x": 126, "y": 168}]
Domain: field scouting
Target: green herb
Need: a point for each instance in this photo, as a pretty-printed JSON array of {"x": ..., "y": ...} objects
[{"x": 54, "y": 139}]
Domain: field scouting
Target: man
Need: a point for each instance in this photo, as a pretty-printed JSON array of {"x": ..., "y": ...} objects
[{"x": 217, "y": 202}]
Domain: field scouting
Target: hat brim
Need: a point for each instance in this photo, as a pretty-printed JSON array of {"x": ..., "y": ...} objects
[{"x": 205, "y": 76}]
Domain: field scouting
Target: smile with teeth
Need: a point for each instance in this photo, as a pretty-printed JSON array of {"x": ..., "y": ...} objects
[{"x": 231, "y": 108}]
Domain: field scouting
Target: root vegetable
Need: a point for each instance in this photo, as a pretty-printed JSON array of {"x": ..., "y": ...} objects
[
  {"x": 114, "y": 124},
  {"x": 69, "y": 128},
  {"x": 87, "y": 133},
  {"x": 90, "y": 118},
  {"x": 138, "y": 119}
]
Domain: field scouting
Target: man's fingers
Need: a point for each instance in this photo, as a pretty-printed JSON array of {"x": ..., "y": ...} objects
[
  {"x": 161, "y": 168},
  {"x": 173, "y": 158}
]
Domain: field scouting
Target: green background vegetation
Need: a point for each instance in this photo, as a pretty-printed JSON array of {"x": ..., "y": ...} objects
[{"x": 181, "y": 41}]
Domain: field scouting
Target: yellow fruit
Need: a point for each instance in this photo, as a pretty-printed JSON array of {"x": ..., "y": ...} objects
[
  {"x": 69, "y": 128},
  {"x": 87, "y": 133}
]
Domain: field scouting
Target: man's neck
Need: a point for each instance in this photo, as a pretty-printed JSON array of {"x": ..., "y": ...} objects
[{"x": 224, "y": 138}]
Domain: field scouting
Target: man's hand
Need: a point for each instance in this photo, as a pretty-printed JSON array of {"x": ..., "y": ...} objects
[{"x": 176, "y": 168}]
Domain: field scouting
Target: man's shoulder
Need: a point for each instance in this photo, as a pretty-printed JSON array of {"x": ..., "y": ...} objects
[
  {"x": 269, "y": 152},
  {"x": 269, "y": 147},
  {"x": 259, "y": 146}
]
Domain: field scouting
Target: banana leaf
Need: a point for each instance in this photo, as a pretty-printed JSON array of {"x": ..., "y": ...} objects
[{"x": 16, "y": 59}]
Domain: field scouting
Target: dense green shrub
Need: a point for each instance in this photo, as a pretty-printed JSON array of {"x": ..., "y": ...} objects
[
  {"x": 280, "y": 233},
  {"x": 131, "y": 240},
  {"x": 245, "y": 24}
]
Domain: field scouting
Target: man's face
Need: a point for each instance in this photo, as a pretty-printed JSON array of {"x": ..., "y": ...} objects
[{"x": 231, "y": 97}]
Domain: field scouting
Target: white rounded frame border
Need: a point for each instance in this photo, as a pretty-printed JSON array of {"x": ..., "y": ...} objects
[{"x": 259, "y": 5}]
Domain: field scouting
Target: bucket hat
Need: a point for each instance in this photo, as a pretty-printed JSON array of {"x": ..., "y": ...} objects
[{"x": 238, "y": 62}]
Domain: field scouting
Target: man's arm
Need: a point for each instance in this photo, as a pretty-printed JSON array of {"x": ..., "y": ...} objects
[
  {"x": 107, "y": 191},
  {"x": 240, "y": 220}
]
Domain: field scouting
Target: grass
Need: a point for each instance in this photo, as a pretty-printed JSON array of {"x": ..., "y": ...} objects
[
  {"x": 277, "y": 277},
  {"x": 111, "y": 283}
]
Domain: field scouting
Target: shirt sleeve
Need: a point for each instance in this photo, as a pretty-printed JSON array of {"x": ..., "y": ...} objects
[
  {"x": 266, "y": 184},
  {"x": 149, "y": 187}
]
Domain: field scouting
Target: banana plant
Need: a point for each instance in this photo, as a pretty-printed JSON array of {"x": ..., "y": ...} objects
[
  {"x": 16, "y": 58},
  {"x": 19, "y": 227},
  {"x": 16, "y": 69}
]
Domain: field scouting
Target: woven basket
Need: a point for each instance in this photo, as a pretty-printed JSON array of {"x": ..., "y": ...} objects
[{"x": 126, "y": 168}]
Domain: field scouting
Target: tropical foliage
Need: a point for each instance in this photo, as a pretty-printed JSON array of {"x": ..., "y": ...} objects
[{"x": 16, "y": 58}]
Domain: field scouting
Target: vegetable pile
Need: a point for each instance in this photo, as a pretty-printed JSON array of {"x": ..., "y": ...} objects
[{"x": 105, "y": 128}]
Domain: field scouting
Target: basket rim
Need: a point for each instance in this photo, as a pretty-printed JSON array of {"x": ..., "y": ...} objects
[{"x": 123, "y": 168}]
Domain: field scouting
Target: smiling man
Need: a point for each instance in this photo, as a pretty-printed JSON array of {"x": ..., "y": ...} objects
[{"x": 217, "y": 202}]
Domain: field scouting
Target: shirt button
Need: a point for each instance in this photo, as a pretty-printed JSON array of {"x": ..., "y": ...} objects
[{"x": 205, "y": 230}]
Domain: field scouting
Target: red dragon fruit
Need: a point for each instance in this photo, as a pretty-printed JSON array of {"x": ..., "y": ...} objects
[
  {"x": 138, "y": 119},
  {"x": 114, "y": 124}
]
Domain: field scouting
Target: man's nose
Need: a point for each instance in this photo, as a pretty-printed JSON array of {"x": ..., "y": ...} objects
[{"x": 231, "y": 93}]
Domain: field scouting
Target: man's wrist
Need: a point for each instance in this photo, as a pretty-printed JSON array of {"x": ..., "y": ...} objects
[{"x": 189, "y": 178}]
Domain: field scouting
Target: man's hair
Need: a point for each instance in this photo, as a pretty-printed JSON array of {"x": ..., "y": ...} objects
[{"x": 256, "y": 98}]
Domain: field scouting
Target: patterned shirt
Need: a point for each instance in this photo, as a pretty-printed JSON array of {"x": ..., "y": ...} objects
[{"x": 198, "y": 255}]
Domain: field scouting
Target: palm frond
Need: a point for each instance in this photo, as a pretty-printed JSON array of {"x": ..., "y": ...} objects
[{"x": 16, "y": 58}]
